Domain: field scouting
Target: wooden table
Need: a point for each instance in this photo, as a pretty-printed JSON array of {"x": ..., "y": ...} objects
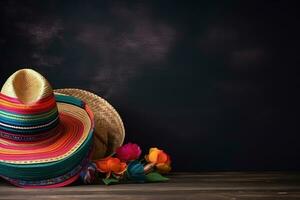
[{"x": 206, "y": 186}]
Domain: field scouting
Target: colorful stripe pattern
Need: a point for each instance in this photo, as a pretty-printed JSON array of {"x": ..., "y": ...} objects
[
  {"x": 61, "y": 180},
  {"x": 23, "y": 122},
  {"x": 76, "y": 121},
  {"x": 56, "y": 158}
]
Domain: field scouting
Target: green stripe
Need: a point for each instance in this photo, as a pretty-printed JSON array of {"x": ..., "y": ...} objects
[
  {"x": 43, "y": 120},
  {"x": 22, "y": 123},
  {"x": 69, "y": 99},
  {"x": 25, "y": 117}
]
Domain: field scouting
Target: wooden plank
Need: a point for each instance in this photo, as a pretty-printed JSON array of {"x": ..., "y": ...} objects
[{"x": 208, "y": 186}]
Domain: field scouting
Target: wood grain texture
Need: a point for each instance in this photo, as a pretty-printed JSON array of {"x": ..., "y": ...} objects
[{"x": 207, "y": 186}]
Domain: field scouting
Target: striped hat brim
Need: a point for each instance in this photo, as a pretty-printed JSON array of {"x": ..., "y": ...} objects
[
  {"x": 53, "y": 161},
  {"x": 109, "y": 128},
  {"x": 75, "y": 124},
  {"x": 66, "y": 178}
]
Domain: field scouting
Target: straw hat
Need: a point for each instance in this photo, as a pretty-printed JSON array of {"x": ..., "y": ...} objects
[
  {"x": 109, "y": 129},
  {"x": 45, "y": 139}
]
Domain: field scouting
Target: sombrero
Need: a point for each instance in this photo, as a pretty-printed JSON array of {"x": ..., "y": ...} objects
[
  {"x": 109, "y": 129},
  {"x": 45, "y": 138}
]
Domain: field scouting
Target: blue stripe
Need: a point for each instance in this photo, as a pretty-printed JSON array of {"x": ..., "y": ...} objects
[
  {"x": 70, "y": 100},
  {"x": 30, "y": 131}
]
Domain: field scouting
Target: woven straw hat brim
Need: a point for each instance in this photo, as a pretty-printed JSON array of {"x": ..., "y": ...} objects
[
  {"x": 74, "y": 127},
  {"x": 109, "y": 128}
]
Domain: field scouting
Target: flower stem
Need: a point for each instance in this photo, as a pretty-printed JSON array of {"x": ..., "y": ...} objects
[{"x": 149, "y": 167}]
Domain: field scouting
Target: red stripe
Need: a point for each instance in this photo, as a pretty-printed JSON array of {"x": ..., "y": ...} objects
[
  {"x": 17, "y": 101},
  {"x": 28, "y": 110},
  {"x": 75, "y": 131}
]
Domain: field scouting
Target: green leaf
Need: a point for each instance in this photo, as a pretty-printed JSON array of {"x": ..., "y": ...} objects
[
  {"x": 109, "y": 181},
  {"x": 155, "y": 177}
]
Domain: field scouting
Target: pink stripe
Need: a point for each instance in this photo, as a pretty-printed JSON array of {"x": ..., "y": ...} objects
[
  {"x": 40, "y": 105},
  {"x": 10, "y": 99},
  {"x": 27, "y": 111},
  {"x": 17, "y": 101}
]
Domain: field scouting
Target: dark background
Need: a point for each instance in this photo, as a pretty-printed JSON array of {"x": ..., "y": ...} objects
[{"x": 215, "y": 84}]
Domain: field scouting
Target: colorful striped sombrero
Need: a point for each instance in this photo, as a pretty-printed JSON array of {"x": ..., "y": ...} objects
[{"x": 45, "y": 138}]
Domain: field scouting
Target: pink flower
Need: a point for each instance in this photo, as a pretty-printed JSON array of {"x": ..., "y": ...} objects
[{"x": 128, "y": 152}]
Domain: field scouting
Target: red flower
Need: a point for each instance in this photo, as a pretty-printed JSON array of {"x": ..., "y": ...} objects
[{"x": 128, "y": 152}]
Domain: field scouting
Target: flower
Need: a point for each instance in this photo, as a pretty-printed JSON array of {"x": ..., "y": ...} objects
[
  {"x": 110, "y": 164},
  {"x": 158, "y": 156},
  {"x": 160, "y": 159},
  {"x": 135, "y": 171},
  {"x": 128, "y": 152},
  {"x": 163, "y": 168}
]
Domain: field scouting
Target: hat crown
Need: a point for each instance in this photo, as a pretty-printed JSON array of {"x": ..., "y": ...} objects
[
  {"x": 27, "y": 86},
  {"x": 28, "y": 109}
]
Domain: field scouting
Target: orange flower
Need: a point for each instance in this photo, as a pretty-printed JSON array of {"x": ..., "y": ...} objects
[
  {"x": 163, "y": 168},
  {"x": 160, "y": 159},
  {"x": 110, "y": 164}
]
